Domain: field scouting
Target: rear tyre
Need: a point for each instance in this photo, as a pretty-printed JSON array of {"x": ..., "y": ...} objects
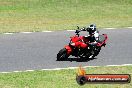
[{"x": 62, "y": 55}]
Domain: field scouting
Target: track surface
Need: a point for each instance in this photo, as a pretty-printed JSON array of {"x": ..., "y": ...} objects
[{"x": 38, "y": 50}]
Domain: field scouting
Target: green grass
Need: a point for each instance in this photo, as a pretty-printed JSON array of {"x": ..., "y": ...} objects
[
  {"x": 39, "y": 15},
  {"x": 60, "y": 78}
]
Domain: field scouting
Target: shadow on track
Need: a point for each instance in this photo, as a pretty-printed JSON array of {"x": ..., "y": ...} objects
[{"x": 78, "y": 59}]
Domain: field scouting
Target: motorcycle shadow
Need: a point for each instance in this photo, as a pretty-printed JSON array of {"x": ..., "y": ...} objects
[{"x": 78, "y": 59}]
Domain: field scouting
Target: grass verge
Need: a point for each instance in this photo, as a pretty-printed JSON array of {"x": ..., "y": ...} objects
[
  {"x": 40, "y": 15},
  {"x": 60, "y": 78}
]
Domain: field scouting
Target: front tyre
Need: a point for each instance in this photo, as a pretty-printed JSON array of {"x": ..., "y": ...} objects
[{"x": 62, "y": 55}]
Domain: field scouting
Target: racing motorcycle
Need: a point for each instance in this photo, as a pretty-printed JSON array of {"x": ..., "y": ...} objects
[{"x": 79, "y": 47}]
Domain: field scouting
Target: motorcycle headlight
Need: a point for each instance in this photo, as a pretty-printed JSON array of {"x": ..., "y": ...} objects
[{"x": 73, "y": 44}]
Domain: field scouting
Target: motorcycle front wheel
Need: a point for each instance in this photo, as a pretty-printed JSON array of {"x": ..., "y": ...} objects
[{"x": 62, "y": 55}]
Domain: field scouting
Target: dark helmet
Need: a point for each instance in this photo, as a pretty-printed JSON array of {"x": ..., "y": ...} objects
[{"x": 92, "y": 28}]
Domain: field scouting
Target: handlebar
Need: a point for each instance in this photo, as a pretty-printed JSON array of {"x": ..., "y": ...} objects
[{"x": 79, "y": 30}]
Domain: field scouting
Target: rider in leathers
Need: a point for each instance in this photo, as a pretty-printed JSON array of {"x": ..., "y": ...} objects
[{"x": 93, "y": 36}]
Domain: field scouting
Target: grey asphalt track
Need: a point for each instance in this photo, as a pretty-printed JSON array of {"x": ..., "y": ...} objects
[{"x": 37, "y": 51}]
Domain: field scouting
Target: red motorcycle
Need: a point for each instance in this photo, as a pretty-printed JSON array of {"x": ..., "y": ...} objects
[{"x": 79, "y": 47}]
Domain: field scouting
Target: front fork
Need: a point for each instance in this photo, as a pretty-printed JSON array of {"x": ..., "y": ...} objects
[{"x": 69, "y": 49}]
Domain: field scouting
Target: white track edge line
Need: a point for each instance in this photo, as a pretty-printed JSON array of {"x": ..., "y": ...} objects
[
  {"x": 8, "y": 33},
  {"x": 26, "y": 32},
  {"x": 128, "y": 27},
  {"x": 109, "y": 28},
  {"x": 66, "y": 30},
  {"x": 6, "y": 72},
  {"x": 17, "y": 71},
  {"x": 29, "y": 70},
  {"x": 70, "y": 30},
  {"x": 114, "y": 65},
  {"x": 47, "y": 31},
  {"x": 67, "y": 68}
]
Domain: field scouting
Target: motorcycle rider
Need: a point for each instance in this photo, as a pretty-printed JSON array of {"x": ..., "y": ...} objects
[{"x": 93, "y": 36}]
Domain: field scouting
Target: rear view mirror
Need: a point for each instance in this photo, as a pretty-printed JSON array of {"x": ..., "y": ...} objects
[{"x": 77, "y": 27}]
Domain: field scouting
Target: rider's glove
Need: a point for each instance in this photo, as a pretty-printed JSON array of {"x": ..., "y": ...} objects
[
  {"x": 77, "y": 31},
  {"x": 83, "y": 29}
]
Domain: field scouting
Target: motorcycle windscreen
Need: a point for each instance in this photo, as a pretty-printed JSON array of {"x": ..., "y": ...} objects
[{"x": 101, "y": 38}]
